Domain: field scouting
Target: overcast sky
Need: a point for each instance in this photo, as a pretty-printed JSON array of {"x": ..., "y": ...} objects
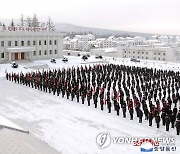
[{"x": 152, "y": 16}]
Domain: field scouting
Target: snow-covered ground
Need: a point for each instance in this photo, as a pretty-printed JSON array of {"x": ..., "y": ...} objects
[{"x": 68, "y": 126}]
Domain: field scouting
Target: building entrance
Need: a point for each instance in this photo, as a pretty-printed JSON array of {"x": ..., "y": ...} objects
[
  {"x": 22, "y": 55},
  {"x": 16, "y": 56}
]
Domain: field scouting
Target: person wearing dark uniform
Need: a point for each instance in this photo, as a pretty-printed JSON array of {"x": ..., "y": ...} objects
[
  {"x": 124, "y": 109},
  {"x": 150, "y": 118},
  {"x": 167, "y": 122},
  {"x": 178, "y": 123},
  {"x": 157, "y": 119},
  {"x": 131, "y": 113},
  {"x": 140, "y": 115}
]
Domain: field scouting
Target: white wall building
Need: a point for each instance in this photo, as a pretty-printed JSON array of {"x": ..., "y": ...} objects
[
  {"x": 30, "y": 45},
  {"x": 88, "y": 37},
  {"x": 66, "y": 43},
  {"x": 142, "y": 52},
  {"x": 79, "y": 42}
]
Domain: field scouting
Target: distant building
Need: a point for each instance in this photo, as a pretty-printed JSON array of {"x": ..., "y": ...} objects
[
  {"x": 66, "y": 43},
  {"x": 159, "y": 47},
  {"x": 166, "y": 54},
  {"x": 85, "y": 38},
  {"x": 30, "y": 45},
  {"x": 79, "y": 42}
]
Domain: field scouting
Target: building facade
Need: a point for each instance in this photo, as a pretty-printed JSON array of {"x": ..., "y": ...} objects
[
  {"x": 30, "y": 45},
  {"x": 166, "y": 54}
]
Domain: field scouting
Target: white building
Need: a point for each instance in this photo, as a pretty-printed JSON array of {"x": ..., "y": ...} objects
[
  {"x": 100, "y": 42},
  {"x": 66, "y": 43},
  {"x": 109, "y": 52},
  {"x": 110, "y": 42},
  {"x": 79, "y": 42},
  {"x": 88, "y": 37},
  {"x": 74, "y": 44},
  {"x": 142, "y": 52},
  {"x": 30, "y": 45}
]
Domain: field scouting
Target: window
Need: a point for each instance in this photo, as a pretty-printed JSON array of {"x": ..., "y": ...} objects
[
  {"x": 142, "y": 57},
  {"x": 146, "y": 53},
  {"x": 9, "y": 43},
  {"x": 146, "y": 57},
  {"x": 164, "y": 59},
  {"x": 154, "y": 53},
  {"x": 50, "y": 42},
  {"x": 133, "y": 52},
  {"x": 16, "y": 43},
  {"x": 39, "y": 42},
  {"x": 124, "y": 56},
  {"x": 45, "y": 52},
  {"x": 34, "y": 53},
  {"x": 124, "y": 51},
  {"x": 22, "y": 43},
  {"x": 129, "y": 51},
  {"x": 2, "y": 55},
  {"x": 28, "y": 43},
  {"x": 138, "y": 52},
  {"x": 159, "y": 58},
  {"x": 40, "y": 52},
  {"x": 155, "y": 58},
  {"x": 159, "y": 53},
  {"x": 44, "y": 42},
  {"x": 2, "y": 43},
  {"x": 55, "y": 42},
  {"x": 50, "y": 52},
  {"x": 34, "y": 42},
  {"x": 142, "y": 52},
  {"x": 138, "y": 56},
  {"x": 164, "y": 54},
  {"x": 55, "y": 51}
]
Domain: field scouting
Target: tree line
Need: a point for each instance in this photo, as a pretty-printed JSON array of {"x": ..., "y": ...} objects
[{"x": 32, "y": 22}]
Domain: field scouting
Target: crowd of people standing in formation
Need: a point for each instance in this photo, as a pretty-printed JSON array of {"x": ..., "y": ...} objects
[{"x": 151, "y": 93}]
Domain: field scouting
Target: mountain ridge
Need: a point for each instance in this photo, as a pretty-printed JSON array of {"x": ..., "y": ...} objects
[{"x": 68, "y": 28}]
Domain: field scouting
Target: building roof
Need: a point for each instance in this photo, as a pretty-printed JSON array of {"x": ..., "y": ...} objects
[
  {"x": 16, "y": 140},
  {"x": 74, "y": 40},
  {"x": 110, "y": 50},
  {"x": 106, "y": 49},
  {"x": 5, "y": 122}
]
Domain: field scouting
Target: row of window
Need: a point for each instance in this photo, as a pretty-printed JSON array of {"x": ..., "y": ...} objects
[
  {"x": 135, "y": 57},
  {"x": 45, "y": 52},
  {"x": 137, "y": 52},
  {"x": 34, "y": 53},
  {"x": 159, "y": 54},
  {"x": 144, "y": 57},
  {"x": 145, "y": 53},
  {"x": 22, "y": 43},
  {"x": 159, "y": 59}
]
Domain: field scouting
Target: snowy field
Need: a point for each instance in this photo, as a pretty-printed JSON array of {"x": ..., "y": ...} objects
[{"x": 68, "y": 126}]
